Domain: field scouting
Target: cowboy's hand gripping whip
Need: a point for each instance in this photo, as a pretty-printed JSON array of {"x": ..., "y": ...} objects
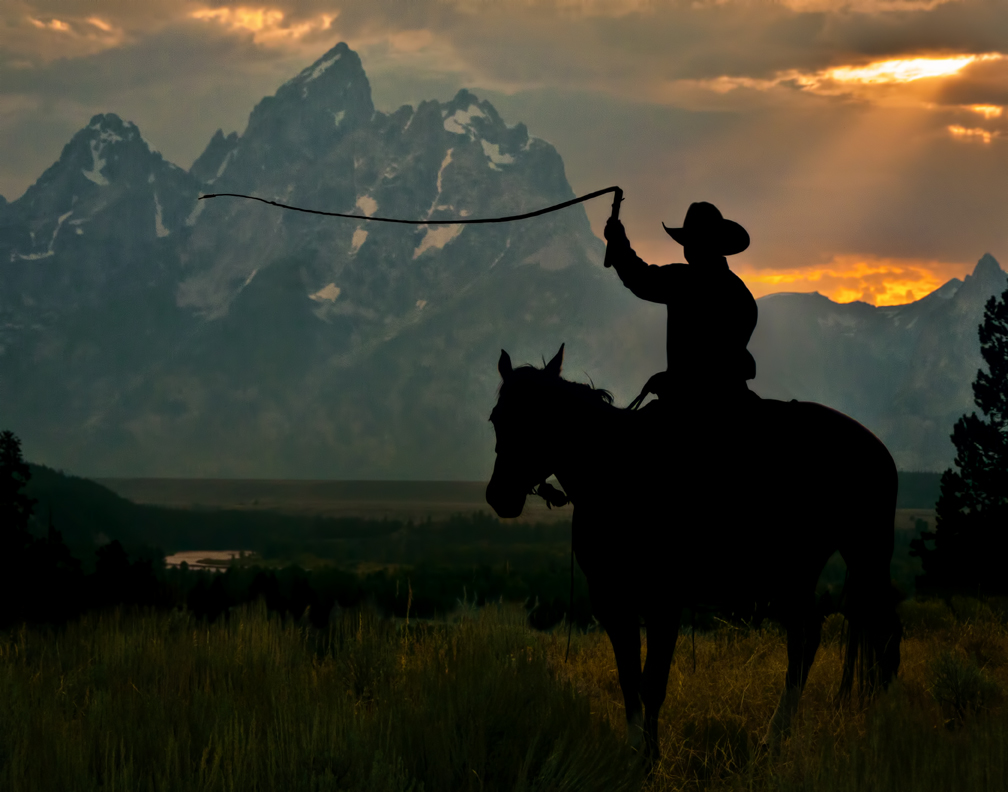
[{"x": 616, "y": 201}]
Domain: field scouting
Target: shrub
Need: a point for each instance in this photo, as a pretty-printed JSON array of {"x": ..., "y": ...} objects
[{"x": 960, "y": 686}]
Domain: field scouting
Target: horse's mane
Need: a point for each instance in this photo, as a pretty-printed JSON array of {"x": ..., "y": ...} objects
[{"x": 582, "y": 391}]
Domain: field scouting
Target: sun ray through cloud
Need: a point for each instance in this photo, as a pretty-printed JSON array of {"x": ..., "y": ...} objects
[
  {"x": 903, "y": 70},
  {"x": 876, "y": 80}
]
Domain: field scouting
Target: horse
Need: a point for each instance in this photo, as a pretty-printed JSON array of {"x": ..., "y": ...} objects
[{"x": 728, "y": 523}]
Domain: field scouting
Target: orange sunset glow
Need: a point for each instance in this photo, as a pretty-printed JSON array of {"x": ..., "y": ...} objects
[
  {"x": 53, "y": 24},
  {"x": 877, "y": 281},
  {"x": 266, "y": 24},
  {"x": 988, "y": 111},
  {"x": 975, "y": 133},
  {"x": 903, "y": 70}
]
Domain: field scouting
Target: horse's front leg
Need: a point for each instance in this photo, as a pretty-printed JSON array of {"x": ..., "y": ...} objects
[
  {"x": 623, "y": 629},
  {"x": 662, "y": 634}
]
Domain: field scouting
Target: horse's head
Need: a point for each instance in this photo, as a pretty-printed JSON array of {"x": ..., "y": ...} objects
[{"x": 524, "y": 457}]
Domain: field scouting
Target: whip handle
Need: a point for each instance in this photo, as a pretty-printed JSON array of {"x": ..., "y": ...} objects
[{"x": 616, "y": 201}]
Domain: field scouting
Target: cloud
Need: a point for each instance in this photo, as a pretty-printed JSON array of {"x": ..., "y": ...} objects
[
  {"x": 982, "y": 83},
  {"x": 267, "y": 26},
  {"x": 178, "y": 84}
]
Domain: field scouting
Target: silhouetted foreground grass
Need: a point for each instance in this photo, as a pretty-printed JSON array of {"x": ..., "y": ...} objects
[{"x": 162, "y": 701}]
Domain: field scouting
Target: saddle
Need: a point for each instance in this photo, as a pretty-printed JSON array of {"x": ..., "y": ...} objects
[{"x": 660, "y": 385}]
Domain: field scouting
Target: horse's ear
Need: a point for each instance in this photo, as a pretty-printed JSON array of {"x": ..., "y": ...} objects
[
  {"x": 504, "y": 365},
  {"x": 554, "y": 366}
]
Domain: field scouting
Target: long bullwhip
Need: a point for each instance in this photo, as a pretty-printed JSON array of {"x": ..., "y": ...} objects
[
  {"x": 545, "y": 490},
  {"x": 617, "y": 198}
]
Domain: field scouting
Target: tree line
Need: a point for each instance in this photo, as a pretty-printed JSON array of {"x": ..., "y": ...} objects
[
  {"x": 966, "y": 552},
  {"x": 44, "y": 580}
]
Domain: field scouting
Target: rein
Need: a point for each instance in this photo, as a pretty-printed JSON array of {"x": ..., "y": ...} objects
[
  {"x": 555, "y": 497},
  {"x": 617, "y": 199}
]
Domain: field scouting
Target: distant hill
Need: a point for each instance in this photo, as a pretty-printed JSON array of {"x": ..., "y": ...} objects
[
  {"x": 904, "y": 371},
  {"x": 89, "y": 515},
  {"x": 86, "y": 513}
]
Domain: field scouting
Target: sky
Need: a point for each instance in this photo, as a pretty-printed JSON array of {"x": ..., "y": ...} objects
[{"x": 862, "y": 143}]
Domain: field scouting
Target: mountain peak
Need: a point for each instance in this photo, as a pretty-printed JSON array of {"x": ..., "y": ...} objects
[
  {"x": 211, "y": 163},
  {"x": 110, "y": 128},
  {"x": 338, "y": 75},
  {"x": 986, "y": 267},
  {"x": 323, "y": 64},
  {"x": 319, "y": 105}
]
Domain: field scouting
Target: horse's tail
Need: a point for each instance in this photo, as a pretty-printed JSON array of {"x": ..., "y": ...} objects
[{"x": 874, "y": 632}]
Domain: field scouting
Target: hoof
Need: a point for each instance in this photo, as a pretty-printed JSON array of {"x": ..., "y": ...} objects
[{"x": 635, "y": 738}]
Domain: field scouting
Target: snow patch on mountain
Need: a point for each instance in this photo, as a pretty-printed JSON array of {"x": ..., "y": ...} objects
[
  {"x": 444, "y": 164},
  {"x": 493, "y": 153},
  {"x": 223, "y": 165},
  {"x": 459, "y": 122},
  {"x": 106, "y": 135},
  {"x": 327, "y": 293},
  {"x": 507, "y": 247},
  {"x": 337, "y": 117},
  {"x": 437, "y": 198},
  {"x": 97, "y": 163},
  {"x": 437, "y": 238},
  {"x": 359, "y": 236},
  {"x": 195, "y": 213},
  {"x": 318, "y": 70},
  {"x": 159, "y": 226},
  {"x": 49, "y": 251},
  {"x": 367, "y": 205}
]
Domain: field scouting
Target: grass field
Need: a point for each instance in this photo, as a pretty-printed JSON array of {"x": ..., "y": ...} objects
[{"x": 162, "y": 702}]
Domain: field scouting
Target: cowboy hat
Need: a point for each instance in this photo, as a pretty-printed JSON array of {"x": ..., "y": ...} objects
[{"x": 705, "y": 227}]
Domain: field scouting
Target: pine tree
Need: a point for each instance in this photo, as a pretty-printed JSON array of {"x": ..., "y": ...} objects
[
  {"x": 971, "y": 534},
  {"x": 15, "y": 506}
]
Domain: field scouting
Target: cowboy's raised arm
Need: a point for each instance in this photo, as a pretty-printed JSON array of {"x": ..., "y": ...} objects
[{"x": 645, "y": 280}]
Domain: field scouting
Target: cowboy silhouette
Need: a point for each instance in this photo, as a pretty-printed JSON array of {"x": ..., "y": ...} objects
[{"x": 711, "y": 312}]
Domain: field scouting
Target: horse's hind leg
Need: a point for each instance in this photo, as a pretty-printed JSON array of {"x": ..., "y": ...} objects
[
  {"x": 662, "y": 634},
  {"x": 804, "y": 634},
  {"x": 623, "y": 629}
]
